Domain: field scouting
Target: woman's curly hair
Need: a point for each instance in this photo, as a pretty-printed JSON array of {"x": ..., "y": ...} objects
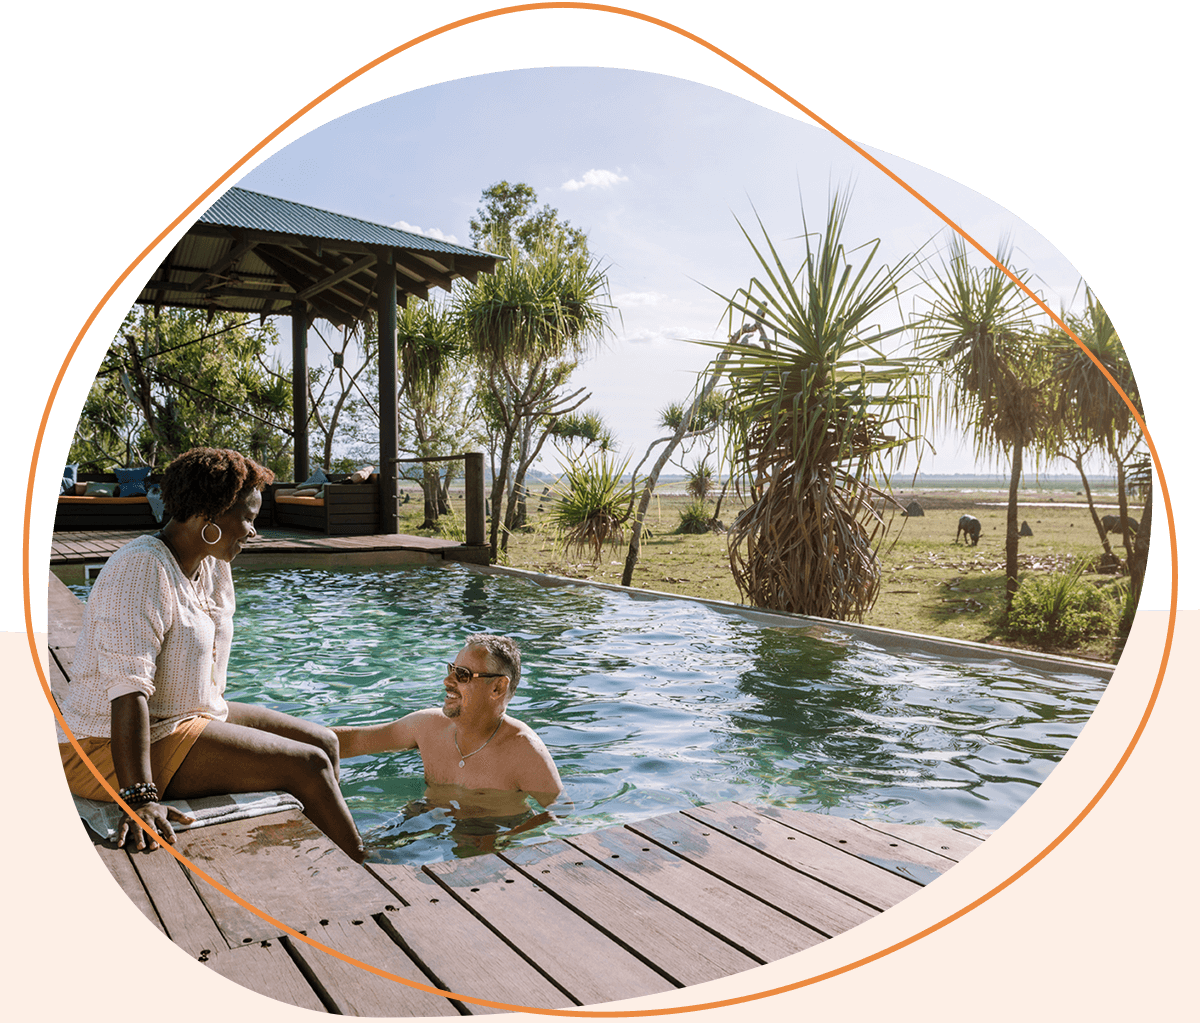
[{"x": 207, "y": 482}]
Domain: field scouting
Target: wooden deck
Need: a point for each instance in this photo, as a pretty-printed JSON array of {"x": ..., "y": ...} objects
[
  {"x": 662, "y": 903},
  {"x": 71, "y": 552}
]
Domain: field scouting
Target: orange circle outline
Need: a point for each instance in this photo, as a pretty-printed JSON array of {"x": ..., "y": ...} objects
[{"x": 721, "y": 1003}]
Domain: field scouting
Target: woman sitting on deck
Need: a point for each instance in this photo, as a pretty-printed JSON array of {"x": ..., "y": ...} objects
[{"x": 146, "y": 699}]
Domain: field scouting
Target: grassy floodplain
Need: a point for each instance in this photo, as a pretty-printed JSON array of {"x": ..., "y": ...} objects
[{"x": 930, "y": 584}]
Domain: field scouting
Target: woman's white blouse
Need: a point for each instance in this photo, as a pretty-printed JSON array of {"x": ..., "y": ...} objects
[{"x": 149, "y": 629}]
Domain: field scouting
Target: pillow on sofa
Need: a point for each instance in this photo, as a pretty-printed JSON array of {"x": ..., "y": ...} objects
[
  {"x": 306, "y": 492},
  {"x": 132, "y": 482},
  {"x": 69, "y": 479},
  {"x": 317, "y": 479},
  {"x": 362, "y": 475},
  {"x": 95, "y": 489}
]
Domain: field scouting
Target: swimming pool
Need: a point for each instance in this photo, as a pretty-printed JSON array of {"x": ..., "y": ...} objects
[{"x": 650, "y": 704}]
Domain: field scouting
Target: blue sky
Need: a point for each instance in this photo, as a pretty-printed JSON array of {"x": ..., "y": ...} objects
[{"x": 658, "y": 171}]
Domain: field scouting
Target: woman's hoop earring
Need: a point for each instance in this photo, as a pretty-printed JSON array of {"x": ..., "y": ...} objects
[{"x": 205, "y": 538}]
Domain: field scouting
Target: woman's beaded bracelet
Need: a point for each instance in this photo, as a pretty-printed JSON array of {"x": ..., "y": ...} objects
[{"x": 140, "y": 793}]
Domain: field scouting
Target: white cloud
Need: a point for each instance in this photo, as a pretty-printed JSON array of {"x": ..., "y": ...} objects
[
  {"x": 433, "y": 232},
  {"x": 640, "y": 298},
  {"x": 594, "y": 178}
]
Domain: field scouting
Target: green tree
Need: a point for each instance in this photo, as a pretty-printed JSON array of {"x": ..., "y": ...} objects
[
  {"x": 813, "y": 409},
  {"x": 992, "y": 367},
  {"x": 1088, "y": 412},
  {"x": 340, "y": 411},
  {"x": 509, "y": 215},
  {"x": 178, "y": 379},
  {"x": 526, "y": 325},
  {"x": 435, "y": 396}
]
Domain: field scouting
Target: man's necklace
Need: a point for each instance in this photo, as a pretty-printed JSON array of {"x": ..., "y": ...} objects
[{"x": 462, "y": 762}]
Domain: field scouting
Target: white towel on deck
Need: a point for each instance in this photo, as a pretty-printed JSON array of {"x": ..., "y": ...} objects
[{"x": 104, "y": 818}]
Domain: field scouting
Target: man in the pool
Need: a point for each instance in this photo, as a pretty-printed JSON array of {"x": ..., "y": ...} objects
[{"x": 470, "y": 742}]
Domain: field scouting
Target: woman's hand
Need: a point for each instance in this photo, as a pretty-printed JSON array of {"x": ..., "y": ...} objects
[{"x": 158, "y": 816}]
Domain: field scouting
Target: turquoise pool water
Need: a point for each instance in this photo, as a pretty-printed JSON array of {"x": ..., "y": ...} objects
[{"x": 648, "y": 704}]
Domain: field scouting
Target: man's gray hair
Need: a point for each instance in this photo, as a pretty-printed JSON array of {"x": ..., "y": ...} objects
[{"x": 503, "y": 653}]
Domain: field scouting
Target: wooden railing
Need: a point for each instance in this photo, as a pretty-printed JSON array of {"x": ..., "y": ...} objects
[{"x": 476, "y": 524}]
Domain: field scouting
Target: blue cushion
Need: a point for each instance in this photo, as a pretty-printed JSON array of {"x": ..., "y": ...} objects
[
  {"x": 317, "y": 479},
  {"x": 69, "y": 478},
  {"x": 132, "y": 482}
]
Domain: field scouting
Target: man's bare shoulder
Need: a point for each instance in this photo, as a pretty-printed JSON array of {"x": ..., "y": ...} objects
[{"x": 534, "y": 767}]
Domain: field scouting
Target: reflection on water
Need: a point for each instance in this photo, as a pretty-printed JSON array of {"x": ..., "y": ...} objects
[
  {"x": 450, "y": 820},
  {"x": 648, "y": 704}
]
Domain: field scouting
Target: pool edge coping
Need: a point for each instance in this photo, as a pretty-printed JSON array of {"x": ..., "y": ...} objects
[{"x": 911, "y": 640}]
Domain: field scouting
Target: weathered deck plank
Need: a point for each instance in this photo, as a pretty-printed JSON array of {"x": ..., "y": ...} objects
[
  {"x": 948, "y": 842},
  {"x": 580, "y": 958},
  {"x": 186, "y": 918},
  {"x": 117, "y": 862},
  {"x": 760, "y": 930},
  {"x": 435, "y": 928},
  {"x": 821, "y": 907},
  {"x": 353, "y": 991},
  {"x": 285, "y": 867},
  {"x": 651, "y": 929},
  {"x": 865, "y": 881},
  {"x": 268, "y": 969}
]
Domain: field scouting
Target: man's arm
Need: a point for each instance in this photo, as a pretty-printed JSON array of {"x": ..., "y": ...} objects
[
  {"x": 356, "y": 740},
  {"x": 537, "y": 776}
]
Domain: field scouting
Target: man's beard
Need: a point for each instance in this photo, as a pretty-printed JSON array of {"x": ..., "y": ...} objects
[{"x": 453, "y": 709}]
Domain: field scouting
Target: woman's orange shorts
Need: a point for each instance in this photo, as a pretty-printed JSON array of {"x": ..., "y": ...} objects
[{"x": 165, "y": 757}]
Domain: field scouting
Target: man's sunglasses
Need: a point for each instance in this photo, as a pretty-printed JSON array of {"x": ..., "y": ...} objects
[{"x": 462, "y": 674}]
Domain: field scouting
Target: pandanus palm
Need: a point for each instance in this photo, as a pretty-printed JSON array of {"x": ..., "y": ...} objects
[
  {"x": 978, "y": 333},
  {"x": 526, "y": 323},
  {"x": 813, "y": 406},
  {"x": 427, "y": 342},
  {"x": 1088, "y": 411}
]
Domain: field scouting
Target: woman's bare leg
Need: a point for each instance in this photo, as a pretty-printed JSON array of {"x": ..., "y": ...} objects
[
  {"x": 237, "y": 758},
  {"x": 253, "y": 716}
]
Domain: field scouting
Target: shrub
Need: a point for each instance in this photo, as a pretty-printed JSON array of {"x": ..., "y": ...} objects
[
  {"x": 695, "y": 518},
  {"x": 591, "y": 504},
  {"x": 1060, "y": 610},
  {"x": 700, "y": 481}
]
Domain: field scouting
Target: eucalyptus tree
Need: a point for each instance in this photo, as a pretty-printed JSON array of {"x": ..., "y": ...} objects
[
  {"x": 526, "y": 325},
  {"x": 979, "y": 335},
  {"x": 814, "y": 406}
]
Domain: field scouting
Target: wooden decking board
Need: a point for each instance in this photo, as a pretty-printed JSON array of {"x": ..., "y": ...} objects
[
  {"x": 81, "y": 547},
  {"x": 436, "y": 929},
  {"x": 758, "y": 929},
  {"x": 285, "y": 867},
  {"x": 946, "y": 842},
  {"x": 864, "y": 881},
  {"x": 821, "y": 907},
  {"x": 651, "y": 929},
  {"x": 266, "y": 968},
  {"x": 579, "y": 958},
  {"x": 117, "y": 862},
  {"x": 353, "y": 991},
  {"x": 902, "y": 858},
  {"x": 184, "y": 914}
]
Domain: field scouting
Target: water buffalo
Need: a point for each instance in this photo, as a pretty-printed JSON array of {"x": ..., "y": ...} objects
[
  {"x": 1112, "y": 524},
  {"x": 969, "y": 527}
]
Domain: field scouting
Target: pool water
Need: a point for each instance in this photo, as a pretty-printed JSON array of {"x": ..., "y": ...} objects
[{"x": 647, "y": 704}]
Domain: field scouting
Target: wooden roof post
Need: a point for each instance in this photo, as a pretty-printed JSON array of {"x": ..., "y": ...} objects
[
  {"x": 389, "y": 386},
  {"x": 300, "y": 470}
]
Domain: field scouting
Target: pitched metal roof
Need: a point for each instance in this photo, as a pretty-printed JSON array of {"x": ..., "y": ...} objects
[{"x": 256, "y": 253}]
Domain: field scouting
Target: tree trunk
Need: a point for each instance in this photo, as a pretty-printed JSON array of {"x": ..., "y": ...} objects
[
  {"x": 1123, "y": 510},
  {"x": 429, "y": 489},
  {"x": 1078, "y": 460},
  {"x": 685, "y": 421},
  {"x": 1141, "y": 546},
  {"x": 1012, "y": 537}
]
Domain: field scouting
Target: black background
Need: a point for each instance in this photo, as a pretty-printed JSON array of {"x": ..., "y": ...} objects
[{"x": 117, "y": 139}]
